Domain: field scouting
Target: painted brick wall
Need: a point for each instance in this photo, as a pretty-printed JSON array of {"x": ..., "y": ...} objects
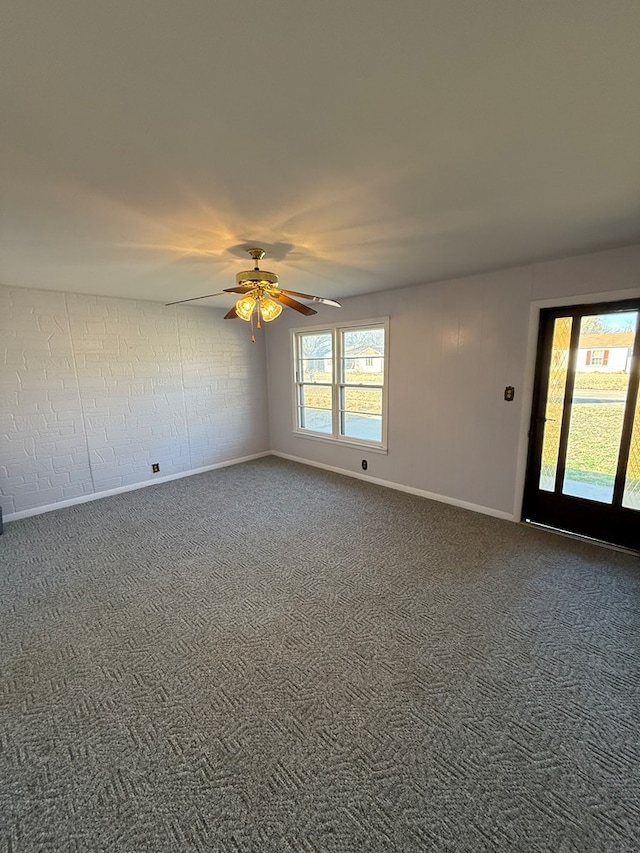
[
  {"x": 223, "y": 401},
  {"x": 43, "y": 446},
  {"x": 93, "y": 390}
]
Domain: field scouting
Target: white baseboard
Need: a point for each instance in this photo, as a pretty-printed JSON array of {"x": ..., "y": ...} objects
[
  {"x": 485, "y": 510},
  {"x": 83, "y": 499},
  {"x": 26, "y": 513}
]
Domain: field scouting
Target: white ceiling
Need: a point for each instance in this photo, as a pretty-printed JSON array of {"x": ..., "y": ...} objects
[{"x": 367, "y": 144}]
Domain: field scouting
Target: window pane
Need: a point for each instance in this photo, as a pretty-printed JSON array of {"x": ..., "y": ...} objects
[
  {"x": 316, "y": 396},
  {"x": 367, "y": 427},
  {"x": 316, "y": 370},
  {"x": 363, "y": 356},
  {"x": 367, "y": 400},
  {"x": 597, "y": 408},
  {"x": 318, "y": 420},
  {"x": 357, "y": 371},
  {"x": 555, "y": 402},
  {"x": 315, "y": 346},
  {"x": 315, "y": 357},
  {"x": 358, "y": 339}
]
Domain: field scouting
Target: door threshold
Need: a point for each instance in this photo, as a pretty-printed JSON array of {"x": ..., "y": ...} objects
[{"x": 580, "y": 537}]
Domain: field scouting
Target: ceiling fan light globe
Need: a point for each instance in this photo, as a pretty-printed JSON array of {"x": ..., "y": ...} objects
[
  {"x": 269, "y": 310},
  {"x": 245, "y": 306}
]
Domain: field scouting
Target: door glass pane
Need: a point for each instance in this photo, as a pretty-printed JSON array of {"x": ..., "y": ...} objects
[
  {"x": 631, "y": 494},
  {"x": 597, "y": 407},
  {"x": 555, "y": 402}
]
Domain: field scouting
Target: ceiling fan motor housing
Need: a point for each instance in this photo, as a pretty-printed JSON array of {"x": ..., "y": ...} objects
[{"x": 256, "y": 278}]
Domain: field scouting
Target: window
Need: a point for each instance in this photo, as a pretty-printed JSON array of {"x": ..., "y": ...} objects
[
  {"x": 340, "y": 382},
  {"x": 598, "y": 357}
]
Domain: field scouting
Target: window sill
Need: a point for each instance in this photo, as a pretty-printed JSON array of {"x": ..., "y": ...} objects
[{"x": 342, "y": 442}]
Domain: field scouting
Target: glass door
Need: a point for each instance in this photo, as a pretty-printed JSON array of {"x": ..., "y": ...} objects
[{"x": 583, "y": 473}]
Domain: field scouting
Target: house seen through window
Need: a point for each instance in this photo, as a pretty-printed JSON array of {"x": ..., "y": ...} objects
[{"x": 340, "y": 383}]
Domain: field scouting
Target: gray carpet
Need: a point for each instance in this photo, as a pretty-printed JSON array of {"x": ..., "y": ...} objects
[{"x": 273, "y": 658}]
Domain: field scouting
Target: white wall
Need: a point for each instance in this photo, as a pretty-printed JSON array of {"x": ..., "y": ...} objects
[
  {"x": 94, "y": 390},
  {"x": 453, "y": 347}
]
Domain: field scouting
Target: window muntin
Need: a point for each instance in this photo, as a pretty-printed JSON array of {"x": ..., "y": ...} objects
[
  {"x": 340, "y": 383},
  {"x": 598, "y": 357}
]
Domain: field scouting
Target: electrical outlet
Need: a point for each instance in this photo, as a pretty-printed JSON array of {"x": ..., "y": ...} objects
[
  {"x": 364, "y": 464},
  {"x": 155, "y": 467}
]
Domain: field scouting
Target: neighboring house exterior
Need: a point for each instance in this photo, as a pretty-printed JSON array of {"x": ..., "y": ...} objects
[
  {"x": 608, "y": 352},
  {"x": 365, "y": 360}
]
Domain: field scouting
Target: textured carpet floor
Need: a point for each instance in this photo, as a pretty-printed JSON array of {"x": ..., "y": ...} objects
[{"x": 273, "y": 658}]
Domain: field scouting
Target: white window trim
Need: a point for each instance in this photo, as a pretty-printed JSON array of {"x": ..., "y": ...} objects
[{"x": 335, "y": 438}]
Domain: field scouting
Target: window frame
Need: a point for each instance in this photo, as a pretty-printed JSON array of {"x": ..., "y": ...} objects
[
  {"x": 337, "y": 330},
  {"x": 598, "y": 357}
]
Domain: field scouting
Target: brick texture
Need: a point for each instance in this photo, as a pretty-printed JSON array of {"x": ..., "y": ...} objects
[{"x": 94, "y": 390}]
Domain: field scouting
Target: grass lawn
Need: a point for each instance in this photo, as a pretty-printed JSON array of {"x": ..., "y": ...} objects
[
  {"x": 595, "y": 428},
  {"x": 601, "y": 381},
  {"x": 357, "y": 399}
]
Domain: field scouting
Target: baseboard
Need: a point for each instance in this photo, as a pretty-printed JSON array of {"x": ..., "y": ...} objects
[
  {"x": 27, "y": 513},
  {"x": 83, "y": 499},
  {"x": 399, "y": 487}
]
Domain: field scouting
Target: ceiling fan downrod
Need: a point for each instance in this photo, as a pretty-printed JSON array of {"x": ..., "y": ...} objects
[{"x": 257, "y": 255}]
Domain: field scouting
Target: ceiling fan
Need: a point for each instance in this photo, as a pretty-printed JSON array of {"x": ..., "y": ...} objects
[{"x": 262, "y": 298}]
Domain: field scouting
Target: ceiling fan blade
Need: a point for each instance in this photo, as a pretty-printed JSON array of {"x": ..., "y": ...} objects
[
  {"x": 231, "y": 313},
  {"x": 243, "y": 289},
  {"x": 312, "y": 298},
  {"x": 193, "y": 298},
  {"x": 297, "y": 306}
]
